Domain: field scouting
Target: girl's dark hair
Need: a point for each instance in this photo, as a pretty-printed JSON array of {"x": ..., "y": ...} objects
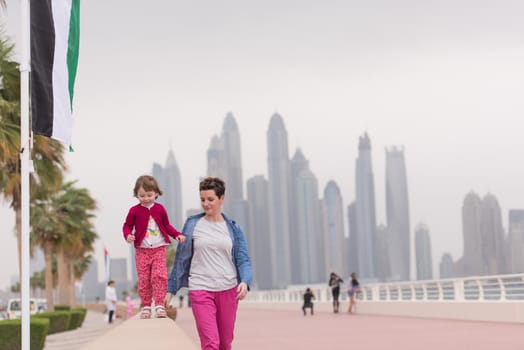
[
  {"x": 148, "y": 183},
  {"x": 213, "y": 183}
]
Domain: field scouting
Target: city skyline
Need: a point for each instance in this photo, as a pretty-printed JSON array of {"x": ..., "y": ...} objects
[{"x": 443, "y": 79}]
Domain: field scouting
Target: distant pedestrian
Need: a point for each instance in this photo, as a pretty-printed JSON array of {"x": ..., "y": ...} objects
[
  {"x": 181, "y": 300},
  {"x": 111, "y": 300},
  {"x": 147, "y": 225},
  {"x": 334, "y": 282},
  {"x": 308, "y": 301},
  {"x": 353, "y": 292},
  {"x": 130, "y": 307}
]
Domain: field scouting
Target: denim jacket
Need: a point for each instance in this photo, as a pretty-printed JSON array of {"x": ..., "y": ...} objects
[{"x": 179, "y": 276}]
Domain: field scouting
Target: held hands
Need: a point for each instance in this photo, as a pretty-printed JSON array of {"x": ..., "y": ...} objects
[
  {"x": 241, "y": 290},
  {"x": 181, "y": 238},
  {"x": 130, "y": 238},
  {"x": 167, "y": 300}
]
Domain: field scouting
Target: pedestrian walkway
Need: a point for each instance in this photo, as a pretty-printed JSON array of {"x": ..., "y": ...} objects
[
  {"x": 265, "y": 326},
  {"x": 263, "y": 329},
  {"x": 93, "y": 327}
]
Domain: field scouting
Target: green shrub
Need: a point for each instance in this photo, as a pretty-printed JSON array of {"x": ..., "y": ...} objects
[
  {"x": 58, "y": 320},
  {"x": 11, "y": 334},
  {"x": 76, "y": 319},
  {"x": 62, "y": 307},
  {"x": 83, "y": 310}
]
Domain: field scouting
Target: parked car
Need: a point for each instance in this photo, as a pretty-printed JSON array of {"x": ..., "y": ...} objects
[{"x": 14, "y": 308}]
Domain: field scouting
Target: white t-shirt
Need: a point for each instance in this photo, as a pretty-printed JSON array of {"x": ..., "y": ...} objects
[
  {"x": 212, "y": 267},
  {"x": 154, "y": 237}
]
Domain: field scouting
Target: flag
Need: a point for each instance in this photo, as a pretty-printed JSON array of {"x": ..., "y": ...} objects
[
  {"x": 55, "y": 32},
  {"x": 107, "y": 261}
]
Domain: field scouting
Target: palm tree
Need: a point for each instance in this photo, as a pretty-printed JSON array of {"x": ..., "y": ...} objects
[
  {"x": 75, "y": 207},
  {"x": 47, "y": 154},
  {"x": 61, "y": 226}
]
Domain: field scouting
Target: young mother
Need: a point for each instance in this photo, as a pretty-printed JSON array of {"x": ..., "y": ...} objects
[{"x": 214, "y": 264}]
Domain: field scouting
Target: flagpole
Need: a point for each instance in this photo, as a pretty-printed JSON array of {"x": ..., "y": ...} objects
[{"x": 24, "y": 172}]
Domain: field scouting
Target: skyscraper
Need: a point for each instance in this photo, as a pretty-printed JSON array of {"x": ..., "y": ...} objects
[
  {"x": 484, "y": 241},
  {"x": 233, "y": 160},
  {"x": 170, "y": 182},
  {"x": 298, "y": 163},
  {"x": 365, "y": 211},
  {"x": 493, "y": 239},
  {"x": 423, "y": 254},
  {"x": 516, "y": 240},
  {"x": 258, "y": 235},
  {"x": 216, "y": 163},
  {"x": 397, "y": 212},
  {"x": 279, "y": 196},
  {"x": 224, "y": 160},
  {"x": 383, "y": 253},
  {"x": 310, "y": 241},
  {"x": 447, "y": 267},
  {"x": 333, "y": 213},
  {"x": 471, "y": 262}
]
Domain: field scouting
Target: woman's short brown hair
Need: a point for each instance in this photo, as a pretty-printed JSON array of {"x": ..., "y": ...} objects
[
  {"x": 148, "y": 183},
  {"x": 213, "y": 183}
]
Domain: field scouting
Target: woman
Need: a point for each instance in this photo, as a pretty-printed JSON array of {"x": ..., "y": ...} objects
[
  {"x": 214, "y": 264},
  {"x": 334, "y": 282},
  {"x": 353, "y": 291}
]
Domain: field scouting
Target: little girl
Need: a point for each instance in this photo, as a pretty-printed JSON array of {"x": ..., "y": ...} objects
[{"x": 147, "y": 225}]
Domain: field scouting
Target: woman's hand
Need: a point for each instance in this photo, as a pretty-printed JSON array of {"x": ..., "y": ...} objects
[
  {"x": 181, "y": 238},
  {"x": 167, "y": 299},
  {"x": 241, "y": 290}
]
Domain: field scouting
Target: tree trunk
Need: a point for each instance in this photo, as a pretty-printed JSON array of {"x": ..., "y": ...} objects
[
  {"x": 48, "y": 250},
  {"x": 63, "y": 276},
  {"x": 72, "y": 287}
]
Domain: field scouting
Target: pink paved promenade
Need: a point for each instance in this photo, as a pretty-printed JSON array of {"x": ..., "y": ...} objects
[{"x": 289, "y": 330}]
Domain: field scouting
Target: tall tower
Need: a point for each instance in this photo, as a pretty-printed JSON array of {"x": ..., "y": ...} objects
[
  {"x": 310, "y": 241},
  {"x": 299, "y": 163},
  {"x": 397, "y": 212},
  {"x": 383, "y": 253},
  {"x": 333, "y": 213},
  {"x": 365, "y": 211},
  {"x": 279, "y": 194},
  {"x": 492, "y": 236},
  {"x": 224, "y": 160},
  {"x": 516, "y": 241},
  {"x": 170, "y": 182},
  {"x": 471, "y": 262},
  {"x": 233, "y": 161},
  {"x": 447, "y": 266},
  {"x": 423, "y": 253},
  {"x": 216, "y": 164},
  {"x": 258, "y": 235}
]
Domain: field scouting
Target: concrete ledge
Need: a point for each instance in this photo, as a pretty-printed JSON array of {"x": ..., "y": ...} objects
[{"x": 136, "y": 333}]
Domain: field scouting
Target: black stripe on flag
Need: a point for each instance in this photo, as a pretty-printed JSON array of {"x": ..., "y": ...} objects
[{"x": 42, "y": 57}]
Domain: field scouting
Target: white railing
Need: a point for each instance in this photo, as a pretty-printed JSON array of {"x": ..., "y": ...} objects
[{"x": 498, "y": 288}]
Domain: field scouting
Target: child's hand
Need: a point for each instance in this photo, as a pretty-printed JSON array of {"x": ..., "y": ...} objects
[
  {"x": 130, "y": 238},
  {"x": 181, "y": 238}
]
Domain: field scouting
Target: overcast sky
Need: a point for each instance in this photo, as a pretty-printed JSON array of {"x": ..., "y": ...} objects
[{"x": 444, "y": 79}]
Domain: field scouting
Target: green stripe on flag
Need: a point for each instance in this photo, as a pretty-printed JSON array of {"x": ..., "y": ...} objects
[{"x": 73, "y": 46}]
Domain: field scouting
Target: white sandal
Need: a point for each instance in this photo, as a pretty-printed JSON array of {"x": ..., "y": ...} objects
[
  {"x": 160, "y": 312},
  {"x": 145, "y": 312}
]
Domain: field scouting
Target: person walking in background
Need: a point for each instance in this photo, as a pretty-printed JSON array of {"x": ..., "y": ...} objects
[
  {"x": 353, "y": 292},
  {"x": 111, "y": 300},
  {"x": 334, "y": 282},
  {"x": 130, "y": 307},
  {"x": 214, "y": 264},
  {"x": 308, "y": 301},
  {"x": 147, "y": 225}
]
